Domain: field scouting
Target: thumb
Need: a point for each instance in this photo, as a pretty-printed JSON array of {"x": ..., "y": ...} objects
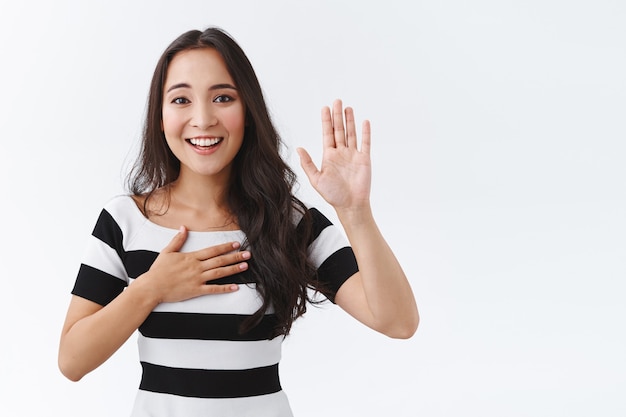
[
  {"x": 307, "y": 164},
  {"x": 177, "y": 241}
]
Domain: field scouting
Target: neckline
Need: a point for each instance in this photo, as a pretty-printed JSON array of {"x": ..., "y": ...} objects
[{"x": 152, "y": 224}]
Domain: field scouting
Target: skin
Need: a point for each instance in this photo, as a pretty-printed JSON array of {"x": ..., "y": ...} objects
[
  {"x": 201, "y": 101},
  {"x": 92, "y": 333},
  {"x": 379, "y": 295}
]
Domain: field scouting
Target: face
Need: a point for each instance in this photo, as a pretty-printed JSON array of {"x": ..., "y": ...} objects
[{"x": 203, "y": 115}]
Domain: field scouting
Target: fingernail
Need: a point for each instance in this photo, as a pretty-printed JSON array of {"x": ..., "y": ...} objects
[
  {"x": 181, "y": 229},
  {"x": 243, "y": 265},
  {"x": 236, "y": 245},
  {"x": 245, "y": 255},
  {"x": 234, "y": 287}
]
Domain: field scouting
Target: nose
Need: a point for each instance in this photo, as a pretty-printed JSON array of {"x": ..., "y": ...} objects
[{"x": 203, "y": 116}]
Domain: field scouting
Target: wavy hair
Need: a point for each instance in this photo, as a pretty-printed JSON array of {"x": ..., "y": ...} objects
[{"x": 260, "y": 194}]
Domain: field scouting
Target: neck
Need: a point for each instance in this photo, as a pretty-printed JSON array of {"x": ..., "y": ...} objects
[
  {"x": 200, "y": 203},
  {"x": 200, "y": 193}
]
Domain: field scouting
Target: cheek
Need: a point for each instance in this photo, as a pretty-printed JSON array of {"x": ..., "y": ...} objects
[
  {"x": 234, "y": 121},
  {"x": 170, "y": 122}
]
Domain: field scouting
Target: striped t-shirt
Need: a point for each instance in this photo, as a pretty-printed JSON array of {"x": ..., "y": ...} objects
[{"x": 195, "y": 361}]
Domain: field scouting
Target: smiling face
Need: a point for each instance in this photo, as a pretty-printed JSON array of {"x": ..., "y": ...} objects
[{"x": 203, "y": 114}]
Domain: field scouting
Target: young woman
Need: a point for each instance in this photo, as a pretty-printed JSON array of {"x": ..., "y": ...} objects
[{"x": 211, "y": 257}]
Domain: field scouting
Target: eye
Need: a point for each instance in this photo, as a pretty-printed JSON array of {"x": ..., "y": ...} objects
[
  {"x": 223, "y": 99},
  {"x": 180, "y": 100}
]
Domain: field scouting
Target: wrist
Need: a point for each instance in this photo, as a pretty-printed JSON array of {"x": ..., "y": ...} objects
[
  {"x": 355, "y": 216},
  {"x": 144, "y": 292}
]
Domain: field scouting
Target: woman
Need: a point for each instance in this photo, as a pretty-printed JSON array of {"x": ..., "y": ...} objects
[{"x": 212, "y": 257}]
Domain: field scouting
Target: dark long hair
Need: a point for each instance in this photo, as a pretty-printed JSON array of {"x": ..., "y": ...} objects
[{"x": 260, "y": 194}]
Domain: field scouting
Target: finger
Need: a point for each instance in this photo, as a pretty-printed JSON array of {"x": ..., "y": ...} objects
[
  {"x": 350, "y": 128},
  {"x": 177, "y": 241},
  {"x": 225, "y": 260},
  {"x": 339, "y": 132},
  {"x": 307, "y": 164},
  {"x": 219, "y": 289},
  {"x": 223, "y": 271},
  {"x": 366, "y": 140},
  {"x": 328, "y": 137},
  {"x": 217, "y": 250}
]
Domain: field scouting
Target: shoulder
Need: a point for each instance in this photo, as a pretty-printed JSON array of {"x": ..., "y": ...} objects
[
  {"x": 313, "y": 219},
  {"x": 123, "y": 206},
  {"x": 304, "y": 211},
  {"x": 324, "y": 238},
  {"x": 119, "y": 216},
  {"x": 330, "y": 253}
]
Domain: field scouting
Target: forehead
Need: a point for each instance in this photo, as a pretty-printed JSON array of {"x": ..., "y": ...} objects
[{"x": 197, "y": 67}]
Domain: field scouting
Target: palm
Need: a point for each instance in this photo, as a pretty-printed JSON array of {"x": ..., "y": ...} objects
[{"x": 344, "y": 178}]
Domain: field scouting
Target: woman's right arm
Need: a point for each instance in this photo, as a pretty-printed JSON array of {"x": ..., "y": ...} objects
[{"x": 92, "y": 333}]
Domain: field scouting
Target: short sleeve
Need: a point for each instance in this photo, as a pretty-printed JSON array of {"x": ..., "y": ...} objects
[
  {"x": 102, "y": 275},
  {"x": 330, "y": 253}
]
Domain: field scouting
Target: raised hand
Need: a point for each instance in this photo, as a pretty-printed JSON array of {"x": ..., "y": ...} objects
[
  {"x": 177, "y": 276},
  {"x": 344, "y": 178}
]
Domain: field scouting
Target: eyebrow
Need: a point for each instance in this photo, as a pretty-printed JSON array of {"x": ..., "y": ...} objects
[{"x": 213, "y": 87}]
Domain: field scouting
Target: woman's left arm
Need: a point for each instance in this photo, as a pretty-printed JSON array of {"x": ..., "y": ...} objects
[{"x": 379, "y": 295}]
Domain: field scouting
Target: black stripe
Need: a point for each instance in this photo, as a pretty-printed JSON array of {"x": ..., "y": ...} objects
[
  {"x": 174, "y": 325},
  {"x": 244, "y": 277},
  {"x": 97, "y": 286},
  {"x": 336, "y": 269},
  {"x": 201, "y": 383},
  {"x": 137, "y": 262},
  {"x": 108, "y": 231},
  {"x": 319, "y": 223}
]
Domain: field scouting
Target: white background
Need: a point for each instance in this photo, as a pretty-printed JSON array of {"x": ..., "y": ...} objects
[{"x": 498, "y": 149}]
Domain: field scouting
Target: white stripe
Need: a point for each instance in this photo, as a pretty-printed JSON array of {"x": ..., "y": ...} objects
[
  {"x": 101, "y": 256},
  {"x": 209, "y": 354},
  {"x": 152, "y": 404},
  {"x": 200, "y": 240},
  {"x": 149, "y": 240},
  {"x": 327, "y": 243},
  {"x": 140, "y": 233},
  {"x": 128, "y": 217},
  {"x": 158, "y": 237},
  {"x": 246, "y": 300}
]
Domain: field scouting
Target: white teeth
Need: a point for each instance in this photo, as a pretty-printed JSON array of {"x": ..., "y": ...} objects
[{"x": 204, "y": 142}]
